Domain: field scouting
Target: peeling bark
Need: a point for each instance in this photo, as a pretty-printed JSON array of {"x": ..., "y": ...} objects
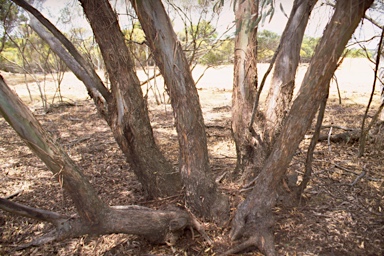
[
  {"x": 253, "y": 217},
  {"x": 283, "y": 79},
  {"x": 244, "y": 89},
  {"x": 200, "y": 189},
  {"x": 128, "y": 113}
]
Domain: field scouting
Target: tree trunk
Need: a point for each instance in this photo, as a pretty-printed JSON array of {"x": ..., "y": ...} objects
[
  {"x": 244, "y": 88},
  {"x": 128, "y": 113},
  {"x": 253, "y": 218},
  {"x": 124, "y": 109},
  {"x": 283, "y": 79},
  {"x": 201, "y": 191},
  {"x": 254, "y": 146},
  {"x": 88, "y": 205},
  {"x": 96, "y": 217},
  {"x": 282, "y": 84}
]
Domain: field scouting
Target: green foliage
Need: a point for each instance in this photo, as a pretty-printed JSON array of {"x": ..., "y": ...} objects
[
  {"x": 135, "y": 38},
  {"x": 25, "y": 50},
  {"x": 10, "y": 17},
  {"x": 203, "y": 32},
  {"x": 308, "y": 48},
  {"x": 200, "y": 43},
  {"x": 268, "y": 42},
  {"x": 219, "y": 55},
  {"x": 358, "y": 53}
]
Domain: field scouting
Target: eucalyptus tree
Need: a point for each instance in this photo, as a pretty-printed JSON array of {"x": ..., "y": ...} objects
[{"x": 266, "y": 137}]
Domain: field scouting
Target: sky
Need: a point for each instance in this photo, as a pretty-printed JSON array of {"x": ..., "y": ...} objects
[{"x": 319, "y": 18}]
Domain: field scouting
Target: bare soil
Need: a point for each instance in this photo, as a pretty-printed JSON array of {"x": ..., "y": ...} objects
[{"x": 340, "y": 215}]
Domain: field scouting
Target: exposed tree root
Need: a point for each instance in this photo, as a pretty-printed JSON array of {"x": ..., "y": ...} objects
[
  {"x": 255, "y": 225},
  {"x": 157, "y": 226},
  {"x": 263, "y": 242}
]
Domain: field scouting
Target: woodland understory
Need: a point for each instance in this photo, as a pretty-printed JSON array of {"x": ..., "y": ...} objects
[
  {"x": 341, "y": 212},
  {"x": 232, "y": 178}
]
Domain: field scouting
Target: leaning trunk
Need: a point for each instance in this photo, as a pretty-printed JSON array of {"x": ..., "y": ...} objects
[
  {"x": 287, "y": 60},
  {"x": 201, "y": 191},
  {"x": 128, "y": 113},
  {"x": 283, "y": 83},
  {"x": 96, "y": 217},
  {"x": 253, "y": 217},
  {"x": 124, "y": 109},
  {"x": 88, "y": 205}
]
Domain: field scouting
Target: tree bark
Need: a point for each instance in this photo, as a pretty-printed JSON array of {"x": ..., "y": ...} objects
[
  {"x": 88, "y": 205},
  {"x": 254, "y": 146},
  {"x": 124, "y": 109},
  {"x": 201, "y": 190},
  {"x": 282, "y": 84},
  {"x": 253, "y": 218},
  {"x": 128, "y": 113},
  {"x": 283, "y": 79},
  {"x": 244, "y": 88}
]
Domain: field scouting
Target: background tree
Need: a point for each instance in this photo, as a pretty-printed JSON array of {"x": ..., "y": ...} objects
[{"x": 9, "y": 18}]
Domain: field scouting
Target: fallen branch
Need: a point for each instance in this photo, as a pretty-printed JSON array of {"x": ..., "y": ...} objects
[
  {"x": 30, "y": 212},
  {"x": 347, "y": 137},
  {"x": 359, "y": 177},
  {"x": 157, "y": 226}
]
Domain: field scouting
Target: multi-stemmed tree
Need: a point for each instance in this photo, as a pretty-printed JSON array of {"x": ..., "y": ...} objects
[{"x": 266, "y": 138}]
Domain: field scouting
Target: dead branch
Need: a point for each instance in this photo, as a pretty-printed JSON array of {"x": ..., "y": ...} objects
[
  {"x": 359, "y": 177},
  {"x": 364, "y": 132},
  {"x": 158, "y": 226},
  {"x": 338, "y": 127},
  {"x": 337, "y": 138},
  {"x": 30, "y": 212},
  {"x": 311, "y": 148}
]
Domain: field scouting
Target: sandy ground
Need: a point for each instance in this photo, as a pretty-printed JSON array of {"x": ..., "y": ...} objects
[{"x": 353, "y": 76}]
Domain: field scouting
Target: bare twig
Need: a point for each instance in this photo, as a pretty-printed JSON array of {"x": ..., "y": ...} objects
[
  {"x": 364, "y": 132},
  {"x": 359, "y": 177},
  {"x": 312, "y": 146},
  {"x": 338, "y": 127},
  {"x": 14, "y": 194}
]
